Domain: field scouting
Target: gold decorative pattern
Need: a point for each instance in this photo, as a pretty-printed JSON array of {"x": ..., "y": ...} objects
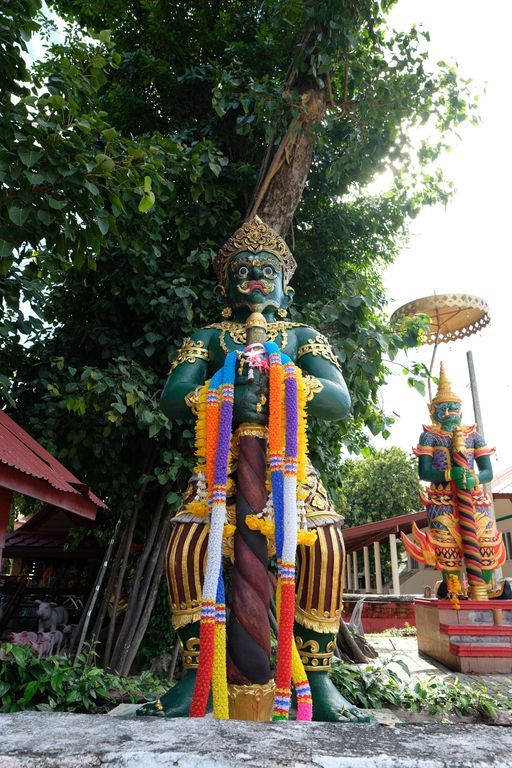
[
  {"x": 190, "y": 352},
  {"x": 254, "y": 236},
  {"x": 238, "y": 331},
  {"x": 445, "y": 393},
  {"x": 478, "y": 592},
  {"x": 319, "y": 346},
  {"x": 190, "y": 653},
  {"x": 313, "y": 659},
  {"x": 159, "y": 706},
  {"x": 185, "y": 615},
  {"x": 252, "y": 430},
  {"x": 251, "y": 702},
  {"x": 459, "y": 440},
  {"x": 192, "y": 399},
  {"x": 312, "y": 386},
  {"x": 317, "y": 502},
  {"x": 310, "y": 619}
]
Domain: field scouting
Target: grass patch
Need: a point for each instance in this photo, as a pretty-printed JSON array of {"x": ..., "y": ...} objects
[{"x": 407, "y": 631}]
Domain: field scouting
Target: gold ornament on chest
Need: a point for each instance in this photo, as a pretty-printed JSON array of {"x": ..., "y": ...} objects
[{"x": 236, "y": 332}]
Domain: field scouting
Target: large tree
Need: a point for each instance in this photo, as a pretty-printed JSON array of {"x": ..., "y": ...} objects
[
  {"x": 128, "y": 156},
  {"x": 382, "y": 485}
]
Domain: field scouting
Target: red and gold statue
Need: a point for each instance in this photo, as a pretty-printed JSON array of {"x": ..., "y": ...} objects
[{"x": 460, "y": 526}]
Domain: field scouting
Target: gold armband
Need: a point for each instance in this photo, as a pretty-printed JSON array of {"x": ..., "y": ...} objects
[
  {"x": 190, "y": 653},
  {"x": 319, "y": 346},
  {"x": 312, "y": 657},
  {"x": 192, "y": 399},
  {"x": 189, "y": 353},
  {"x": 312, "y": 386}
]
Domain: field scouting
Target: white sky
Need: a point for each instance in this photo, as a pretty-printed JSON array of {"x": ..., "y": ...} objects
[{"x": 465, "y": 248}]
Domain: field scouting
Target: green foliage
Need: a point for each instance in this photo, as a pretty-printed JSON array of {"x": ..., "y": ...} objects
[
  {"x": 371, "y": 687},
  {"x": 390, "y": 684},
  {"x": 55, "y": 684},
  {"x": 406, "y": 631},
  {"x": 383, "y": 485}
]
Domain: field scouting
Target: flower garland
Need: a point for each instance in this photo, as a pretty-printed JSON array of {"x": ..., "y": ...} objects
[
  {"x": 213, "y": 609},
  {"x": 283, "y": 460},
  {"x": 199, "y": 506},
  {"x": 287, "y": 454}
]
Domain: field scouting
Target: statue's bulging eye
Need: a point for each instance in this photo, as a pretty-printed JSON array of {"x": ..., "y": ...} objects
[
  {"x": 243, "y": 272},
  {"x": 268, "y": 271}
]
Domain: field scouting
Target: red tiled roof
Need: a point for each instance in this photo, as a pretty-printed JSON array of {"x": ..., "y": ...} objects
[
  {"x": 25, "y": 466},
  {"x": 502, "y": 484},
  {"x": 36, "y": 539},
  {"x": 49, "y": 529}
]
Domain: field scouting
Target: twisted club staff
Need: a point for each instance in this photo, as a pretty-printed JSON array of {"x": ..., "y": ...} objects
[
  {"x": 466, "y": 511},
  {"x": 248, "y": 633}
]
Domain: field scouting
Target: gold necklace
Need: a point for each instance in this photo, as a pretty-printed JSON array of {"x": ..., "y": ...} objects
[{"x": 237, "y": 332}]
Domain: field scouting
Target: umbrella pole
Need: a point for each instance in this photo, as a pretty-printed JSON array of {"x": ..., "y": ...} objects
[
  {"x": 480, "y": 427},
  {"x": 436, "y": 342}
]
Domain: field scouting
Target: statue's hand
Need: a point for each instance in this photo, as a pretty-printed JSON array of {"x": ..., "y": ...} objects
[
  {"x": 251, "y": 399},
  {"x": 458, "y": 474},
  {"x": 471, "y": 480},
  {"x": 463, "y": 478}
]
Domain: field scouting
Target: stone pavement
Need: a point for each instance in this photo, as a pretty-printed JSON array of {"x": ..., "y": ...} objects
[
  {"x": 43, "y": 740},
  {"x": 406, "y": 648}
]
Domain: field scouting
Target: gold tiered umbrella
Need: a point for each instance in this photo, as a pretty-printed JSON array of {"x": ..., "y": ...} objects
[{"x": 453, "y": 316}]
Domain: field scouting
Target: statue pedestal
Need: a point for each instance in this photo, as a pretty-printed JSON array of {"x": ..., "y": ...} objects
[{"x": 476, "y": 638}]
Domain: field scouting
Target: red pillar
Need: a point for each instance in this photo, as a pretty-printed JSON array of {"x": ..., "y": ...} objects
[{"x": 5, "y": 509}]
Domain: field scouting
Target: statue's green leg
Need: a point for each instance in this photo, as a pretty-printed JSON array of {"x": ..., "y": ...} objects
[
  {"x": 177, "y": 700},
  {"x": 316, "y": 650}
]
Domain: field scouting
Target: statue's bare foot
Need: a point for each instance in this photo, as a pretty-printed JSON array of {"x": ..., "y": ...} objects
[{"x": 329, "y": 706}]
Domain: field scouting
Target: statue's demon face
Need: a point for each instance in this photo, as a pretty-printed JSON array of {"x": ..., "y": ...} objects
[
  {"x": 448, "y": 415},
  {"x": 256, "y": 281}
]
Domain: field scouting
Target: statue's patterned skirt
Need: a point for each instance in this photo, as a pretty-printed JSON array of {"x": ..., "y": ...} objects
[
  {"x": 319, "y": 567},
  {"x": 444, "y": 532}
]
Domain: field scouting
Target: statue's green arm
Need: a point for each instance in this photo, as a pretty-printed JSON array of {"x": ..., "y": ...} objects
[
  {"x": 430, "y": 475},
  {"x": 316, "y": 358},
  {"x": 427, "y": 473},
  {"x": 191, "y": 372},
  {"x": 484, "y": 469}
]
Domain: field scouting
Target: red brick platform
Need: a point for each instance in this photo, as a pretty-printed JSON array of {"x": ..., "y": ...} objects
[
  {"x": 475, "y": 638},
  {"x": 381, "y": 612}
]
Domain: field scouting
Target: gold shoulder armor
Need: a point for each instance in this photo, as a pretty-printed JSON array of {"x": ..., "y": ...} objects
[
  {"x": 190, "y": 352},
  {"x": 319, "y": 347}
]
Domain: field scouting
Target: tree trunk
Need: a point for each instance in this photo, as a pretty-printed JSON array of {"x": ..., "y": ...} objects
[
  {"x": 353, "y": 647},
  {"x": 91, "y": 602},
  {"x": 160, "y": 549},
  {"x": 138, "y": 597},
  {"x": 283, "y": 178}
]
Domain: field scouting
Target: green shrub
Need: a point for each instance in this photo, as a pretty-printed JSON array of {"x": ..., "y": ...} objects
[
  {"x": 390, "y": 685},
  {"x": 372, "y": 686},
  {"x": 55, "y": 683}
]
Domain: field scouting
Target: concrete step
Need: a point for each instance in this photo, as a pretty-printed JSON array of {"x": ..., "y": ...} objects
[
  {"x": 63, "y": 740},
  {"x": 476, "y": 629},
  {"x": 478, "y": 650}
]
